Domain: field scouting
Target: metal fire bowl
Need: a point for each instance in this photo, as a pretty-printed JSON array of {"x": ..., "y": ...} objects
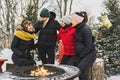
[{"x": 61, "y": 72}]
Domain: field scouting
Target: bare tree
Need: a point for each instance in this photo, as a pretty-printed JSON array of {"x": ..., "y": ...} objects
[
  {"x": 42, "y": 3},
  {"x": 71, "y": 1},
  {"x": 8, "y": 14},
  {"x": 60, "y": 6},
  {"x": 64, "y": 7},
  {"x": 38, "y": 4}
]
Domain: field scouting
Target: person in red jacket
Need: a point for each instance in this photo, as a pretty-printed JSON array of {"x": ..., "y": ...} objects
[{"x": 67, "y": 35}]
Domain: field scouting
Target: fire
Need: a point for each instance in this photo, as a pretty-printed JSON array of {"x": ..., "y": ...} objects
[{"x": 40, "y": 71}]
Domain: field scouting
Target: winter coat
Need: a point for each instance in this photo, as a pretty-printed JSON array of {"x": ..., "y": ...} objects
[
  {"x": 83, "y": 40},
  {"x": 67, "y": 35},
  {"x": 48, "y": 34},
  {"x": 21, "y": 51}
]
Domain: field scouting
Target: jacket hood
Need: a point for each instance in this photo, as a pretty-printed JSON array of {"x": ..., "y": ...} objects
[
  {"x": 52, "y": 15},
  {"x": 19, "y": 27}
]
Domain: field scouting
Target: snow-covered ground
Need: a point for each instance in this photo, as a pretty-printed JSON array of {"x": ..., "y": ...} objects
[
  {"x": 6, "y": 54},
  {"x": 116, "y": 77}
]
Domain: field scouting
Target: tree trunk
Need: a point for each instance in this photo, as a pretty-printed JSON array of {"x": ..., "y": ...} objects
[
  {"x": 70, "y": 6},
  {"x": 60, "y": 7},
  {"x": 96, "y": 71},
  {"x": 65, "y": 7}
]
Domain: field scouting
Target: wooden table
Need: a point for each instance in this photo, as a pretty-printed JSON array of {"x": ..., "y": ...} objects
[{"x": 1, "y": 63}]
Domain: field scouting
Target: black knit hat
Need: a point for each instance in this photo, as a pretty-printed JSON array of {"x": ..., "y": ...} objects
[
  {"x": 80, "y": 14},
  {"x": 45, "y": 13}
]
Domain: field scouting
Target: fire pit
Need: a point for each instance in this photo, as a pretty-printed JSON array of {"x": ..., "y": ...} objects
[{"x": 54, "y": 72}]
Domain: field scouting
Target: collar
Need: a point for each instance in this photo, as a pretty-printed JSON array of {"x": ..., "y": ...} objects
[
  {"x": 79, "y": 26},
  {"x": 44, "y": 24}
]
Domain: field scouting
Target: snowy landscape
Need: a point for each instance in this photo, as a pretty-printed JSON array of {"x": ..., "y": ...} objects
[{"x": 103, "y": 19}]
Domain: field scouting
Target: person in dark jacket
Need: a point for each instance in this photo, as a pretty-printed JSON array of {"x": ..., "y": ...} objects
[
  {"x": 47, "y": 27},
  {"x": 23, "y": 43},
  {"x": 85, "y": 53},
  {"x": 67, "y": 35}
]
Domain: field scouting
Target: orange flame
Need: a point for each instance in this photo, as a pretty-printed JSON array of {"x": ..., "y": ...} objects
[{"x": 40, "y": 71}]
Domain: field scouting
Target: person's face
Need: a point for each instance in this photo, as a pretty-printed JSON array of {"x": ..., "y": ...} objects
[
  {"x": 62, "y": 24},
  {"x": 29, "y": 27},
  {"x": 43, "y": 19},
  {"x": 74, "y": 23}
]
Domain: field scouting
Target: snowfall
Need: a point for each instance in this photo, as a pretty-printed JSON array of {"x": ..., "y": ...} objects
[{"x": 6, "y": 54}]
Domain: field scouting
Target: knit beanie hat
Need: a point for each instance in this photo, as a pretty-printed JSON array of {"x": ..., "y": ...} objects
[
  {"x": 78, "y": 18},
  {"x": 66, "y": 19},
  {"x": 45, "y": 13}
]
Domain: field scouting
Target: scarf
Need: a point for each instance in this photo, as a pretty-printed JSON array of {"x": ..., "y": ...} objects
[{"x": 24, "y": 35}]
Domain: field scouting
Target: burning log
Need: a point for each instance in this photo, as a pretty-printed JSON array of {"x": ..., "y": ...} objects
[{"x": 40, "y": 71}]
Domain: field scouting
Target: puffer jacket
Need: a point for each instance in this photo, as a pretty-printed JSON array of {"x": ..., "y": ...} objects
[
  {"x": 67, "y": 35},
  {"x": 22, "y": 48},
  {"x": 21, "y": 52},
  {"x": 83, "y": 40}
]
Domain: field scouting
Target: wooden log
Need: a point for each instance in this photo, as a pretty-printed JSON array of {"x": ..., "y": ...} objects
[{"x": 96, "y": 71}]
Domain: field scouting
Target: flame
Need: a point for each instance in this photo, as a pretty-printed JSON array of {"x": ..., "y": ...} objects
[{"x": 40, "y": 71}]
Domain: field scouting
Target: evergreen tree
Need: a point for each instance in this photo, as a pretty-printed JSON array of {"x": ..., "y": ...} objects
[
  {"x": 32, "y": 13},
  {"x": 110, "y": 40}
]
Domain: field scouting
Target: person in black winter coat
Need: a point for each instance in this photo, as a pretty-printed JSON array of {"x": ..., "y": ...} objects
[
  {"x": 47, "y": 27},
  {"x": 23, "y": 43},
  {"x": 85, "y": 53}
]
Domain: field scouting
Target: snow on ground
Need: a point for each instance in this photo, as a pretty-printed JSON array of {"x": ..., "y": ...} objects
[
  {"x": 7, "y": 53},
  {"x": 116, "y": 77}
]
